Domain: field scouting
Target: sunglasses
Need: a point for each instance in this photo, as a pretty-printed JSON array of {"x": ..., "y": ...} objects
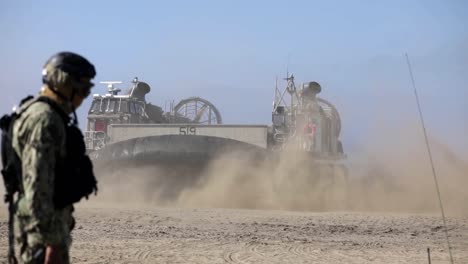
[{"x": 83, "y": 89}]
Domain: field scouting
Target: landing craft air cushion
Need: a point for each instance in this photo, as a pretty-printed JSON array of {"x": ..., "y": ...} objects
[{"x": 127, "y": 128}]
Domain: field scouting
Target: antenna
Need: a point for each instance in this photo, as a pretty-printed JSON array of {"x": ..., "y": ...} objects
[
  {"x": 287, "y": 65},
  {"x": 110, "y": 87},
  {"x": 434, "y": 174},
  {"x": 275, "y": 102}
]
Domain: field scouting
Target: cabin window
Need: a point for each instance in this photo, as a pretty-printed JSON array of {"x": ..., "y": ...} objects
[
  {"x": 95, "y": 107},
  {"x": 104, "y": 104},
  {"x": 111, "y": 107},
  {"x": 132, "y": 108},
  {"x": 124, "y": 107}
]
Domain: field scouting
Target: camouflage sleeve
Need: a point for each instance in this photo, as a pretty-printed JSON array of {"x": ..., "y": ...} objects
[{"x": 42, "y": 148}]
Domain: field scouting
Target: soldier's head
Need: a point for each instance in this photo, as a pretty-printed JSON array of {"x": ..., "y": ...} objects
[{"x": 69, "y": 75}]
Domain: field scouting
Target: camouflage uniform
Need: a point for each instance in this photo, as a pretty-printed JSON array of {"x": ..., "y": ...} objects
[{"x": 39, "y": 140}]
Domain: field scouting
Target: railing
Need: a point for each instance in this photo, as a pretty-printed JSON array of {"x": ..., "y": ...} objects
[{"x": 95, "y": 140}]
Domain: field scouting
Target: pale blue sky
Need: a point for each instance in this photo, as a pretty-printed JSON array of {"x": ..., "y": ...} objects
[{"x": 231, "y": 51}]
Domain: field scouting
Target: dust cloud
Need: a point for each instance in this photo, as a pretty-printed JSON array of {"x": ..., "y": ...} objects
[
  {"x": 394, "y": 174},
  {"x": 391, "y": 174}
]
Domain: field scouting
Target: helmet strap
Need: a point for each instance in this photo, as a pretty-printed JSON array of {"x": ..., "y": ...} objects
[
  {"x": 70, "y": 102},
  {"x": 59, "y": 94},
  {"x": 75, "y": 118}
]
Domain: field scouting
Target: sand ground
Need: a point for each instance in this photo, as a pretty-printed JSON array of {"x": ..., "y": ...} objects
[
  {"x": 125, "y": 234},
  {"x": 385, "y": 212}
]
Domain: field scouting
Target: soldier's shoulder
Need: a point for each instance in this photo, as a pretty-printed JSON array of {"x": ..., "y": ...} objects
[{"x": 41, "y": 113}]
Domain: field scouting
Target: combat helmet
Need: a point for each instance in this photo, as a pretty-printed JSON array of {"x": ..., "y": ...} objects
[{"x": 68, "y": 70}]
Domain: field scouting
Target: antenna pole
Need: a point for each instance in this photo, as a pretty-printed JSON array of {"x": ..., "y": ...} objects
[
  {"x": 429, "y": 255},
  {"x": 434, "y": 174},
  {"x": 276, "y": 94}
]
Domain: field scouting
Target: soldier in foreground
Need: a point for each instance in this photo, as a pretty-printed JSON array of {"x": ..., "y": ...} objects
[{"x": 45, "y": 164}]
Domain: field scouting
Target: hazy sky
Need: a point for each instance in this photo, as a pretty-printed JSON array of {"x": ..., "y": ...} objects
[{"x": 230, "y": 53}]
